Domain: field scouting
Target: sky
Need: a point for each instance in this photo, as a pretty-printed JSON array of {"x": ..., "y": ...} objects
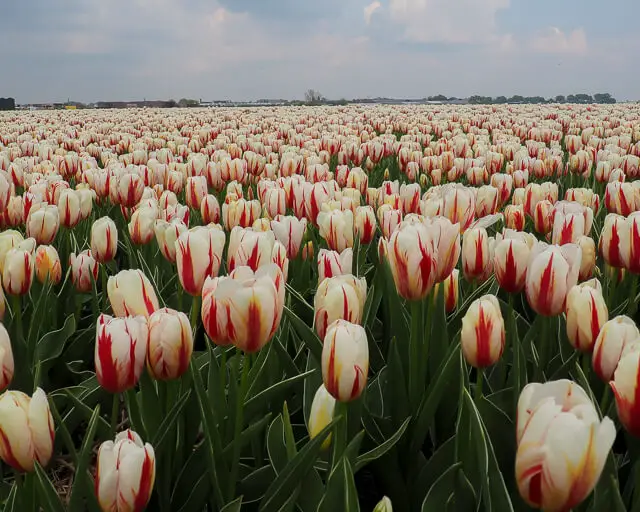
[{"x": 91, "y": 50}]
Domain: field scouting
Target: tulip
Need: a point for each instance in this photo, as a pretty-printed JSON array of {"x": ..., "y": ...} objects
[
  {"x": 487, "y": 201},
  {"x": 336, "y": 227},
  {"x": 170, "y": 344},
  {"x": 339, "y": 297},
  {"x": 543, "y": 217},
  {"x": 9, "y": 239},
  {"x": 18, "y": 270},
  {"x": 6, "y": 359},
  {"x": 125, "y": 473},
  {"x": 86, "y": 196},
  {"x": 510, "y": 258},
  {"x": 83, "y": 267},
  {"x": 446, "y": 238},
  {"x": 43, "y": 224},
  {"x": 616, "y": 337},
  {"x": 345, "y": 360},
  {"x": 3, "y": 302},
  {"x": 241, "y": 213},
  {"x": 585, "y": 301},
  {"x": 104, "y": 239},
  {"x": 458, "y": 205},
  {"x": 275, "y": 202},
  {"x": 333, "y": 263},
  {"x": 588, "y": 261},
  {"x": 289, "y": 231},
  {"x": 322, "y": 409},
  {"x": 384, "y": 505},
  {"x": 570, "y": 221},
  {"x": 131, "y": 293},
  {"x": 251, "y": 248},
  {"x": 615, "y": 240},
  {"x": 365, "y": 224},
  {"x": 451, "y": 291},
  {"x": 210, "y": 209},
  {"x": 121, "y": 347},
  {"x": 633, "y": 258},
  {"x": 198, "y": 256},
  {"x": 245, "y": 307},
  {"x": 482, "y": 336},
  {"x": 166, "y": 235},
  {"x": 562, "y": 445},
  {"x": 142, "y": 224},
  {"x": 477, "y": 255},
  {"x": 69, "y": 208},
  {"x": 47, "y": 265},
  {"x": 552, "y": 272},
  {"x": 129, "y": 189},
  {"x": 504, "y": 184},
  {"x": 195, "y": 191},
  {"x": 389, "y": 219},
  {"x": 625, "y": 388},
  {"x": 27, "y": 431}
]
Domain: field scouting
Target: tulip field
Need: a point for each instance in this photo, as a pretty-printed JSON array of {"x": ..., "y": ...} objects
[{"x": 408, "y": 308}]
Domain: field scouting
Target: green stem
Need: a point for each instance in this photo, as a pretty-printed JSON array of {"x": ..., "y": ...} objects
[
  {"x": 339, "y": 440},
  {"x": 195, "y": 314},
  {"x": 239, "y": 421},
  {"x": 544, "y": 348},
  {"x": 115, "y": 413},
  {"x": 17, "y": 312},
  {"x": 105, "y": 296},
  {"x": 512, "y": 332},
  {"x": 415, "y": 349},
  {"x": 605, "y": 402},
  {"x": 632, "y": 307},
  {"x": 479, "y": 383}
]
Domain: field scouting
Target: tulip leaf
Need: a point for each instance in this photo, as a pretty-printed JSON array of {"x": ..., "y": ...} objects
[
  {"x": 51, "y": 345},
  {"x": 254, "y": 485},
  {"x": 82, "y": 469},
  {"x": 295, "y": 471},
  {"x": 276, "y": 445},
  {"x": 248, "y": 434},
  {"x": 311, "y": 385},
  {"x": 442, "y": 490},
  {"x": 306, "y": 333},
  {"x": 49, "y": 498},
  {"x": 104, "y": 428},
  {"x": 476, "y": 439},
  {"x": 169, "y": 421},
  {"x": 396, "y": 385},
  {"x": 199, "y": 493},
  {"x": 196, "y": 464},
  {"x": 382, "y": 449},
  {"x": 13, "y": 503},
  {"x": 254, "y": 405},
  {"x": 233, "y": 506},
  {"x": 443, "y": 457},
  {"x": 341, "y": 493}
]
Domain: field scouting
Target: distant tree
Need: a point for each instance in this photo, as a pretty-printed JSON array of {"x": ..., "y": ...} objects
[
  {"x": 516, "y": 99},
  {"x": 313, "y": 97},
  {"x": 500, "y": 100},
  {"x": 184, "y": 102},
  {"x": 480, "y": 100},
  {"x": 560, "y": 99},
  {"x": 603, "y": 98},
  {"x": 7, "y": 104},
  {"x": 437, "y": 97}
]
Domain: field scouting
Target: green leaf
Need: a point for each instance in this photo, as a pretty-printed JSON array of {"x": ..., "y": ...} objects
[
  {"x": 48, "y": 496},
  {"x": 396, "y": 385},
  {"x": 295, "y": 471},
  {"x": 431, "y": 471},
  {"x": 51, "y": 345},
  {"x": 380, "y": 450},
  {"x": 104, "y": 429},
  {"x": 276, "y": 446},
  {"x": 442, "y": 490},
  {"x": 234, "y": 506},
  {"x": 477, "y": 439},
  {"x": 311, "y": 385},
  {"x": 341, "y": 493},
  {"x": 169, "y": 421},
  {"x": 13, "y": 503},
  {"x": 306, "y": 333},
  {"x": 254, "y": 405},
  {"x": 199, "y": 493},
  {"x": 254, "y": 486},
  {"x": 86, "y": 490}
]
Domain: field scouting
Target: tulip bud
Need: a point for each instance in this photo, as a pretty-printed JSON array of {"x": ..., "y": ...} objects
[
  {"x": 345, "y": 360},
  {"x": 289, "y": 231},
  {"x": 86, "y": 196},
  {"x": 18, "y": 271},
  {"x": 129, "y": 189},
  {"x": 339, "y": 297},
  {"x": 625, "y": 389},
  {"x": 333, "y": 263},
  {"x": 616, "y": 337},
  {"x": 543, "y": 216},
  {"x": 588, "y": 261},
  {"x": 8, "y": 240},
  {"x": 6, "y": 359},
  {"x": 487, "y": 201},
  {"x": 615, "y": 240},
  {"x": 451, "y": 291},
  {"x": 322, "y": 409},
  {"x": 84, "y": 270},
  {"x": 198, "y": 256},
  {"x": 142, "y": 224},
  {"x": 240, "y": 213},
  {"x": 3, "y": 302},
  {"x": 47, "y": 265},
  {"x": 170, "y": 344},
  {"x": 26, "y": 429},
  {"x": 43, "y": 224},
  {"x": 69, "y": 208},
  {"x": 365, "y": 224},
  {"x": 166, "y": 235},
  {"x": 384, "y": 505},
  {"x": 252, "y": 248},
  {"x": 131, "y": 293},
  {"x": 458, "y": 205},
  {"x": 336, "y": 227},
  {"x": 510, "y": 258},
  {"x": 210, "y": 209},
  {"x": 104, "y": 239},
  {"x": 482, "y": 336},
  {"x": 245, "y": 307},
  {"x": 446, "y": 239},
  {"x": 514, "y": 217},
  {"x": 586, "y": 314},
  {"x": 125, "y": 473},
  {"x": 195, "y": 191},
  {"x": 552, "y": 272},
  {"x": 477, "y": 255},
  {"x": 121, "y": 347},
  {"x": 562, "y": 445}
]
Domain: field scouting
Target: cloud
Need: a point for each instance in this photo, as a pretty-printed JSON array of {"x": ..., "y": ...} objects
[
  {"x": 370, "y": 9},
  {"x": 448, "y": 21},
  {"x": 555, "y": 41}
]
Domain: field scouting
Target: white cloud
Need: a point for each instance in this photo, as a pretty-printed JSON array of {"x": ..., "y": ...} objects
[
  {"x": 370, "y": 9},
  {"x": 448, "y": 21},
  {"x": 553, "y": 40}
]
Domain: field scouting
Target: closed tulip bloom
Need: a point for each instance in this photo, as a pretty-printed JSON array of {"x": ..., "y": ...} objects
[
  {"x": 125, "y": 473},
  {"x": 195, "y": 191},
  {"x": 6, "y": 359},
  {"x": 9, "y": 239},
  {"x": 626, "y": 388},
  {"x": 482, "y": 336},
  {"x": 446, "y": 238},
  {"x": 451, "y": 290},
  {"x": 336, "y": 227},
  {"x": 504, "y": 184},
  {"x": 131, "y": 293},
  {"x": 615, "y": 338},
  {"x": 458, "y": 205},
  {"x": 413, "y": 259},
  {"x": 562, "y": 445},
  {"x": 27, "y": 431},
  {"x": 322, "y": 409},
  {"x": 241, "y": 213},
  {"x": 43, "y": 223},
  {"x": 69, "y": 208},
  {"x": 510, "y": 258},
  {"x": 615, "y": 240},
  {"x": 333, "y": 263},
  {"x": 142, "y": 224},
  {"x": 198, "y": 256},
  {"x": 633, "y": 258},
  {"x": 129, "y": 189},
  {"x": 588, "y": 261},
  {"x": 345, "y": 360},
  {"x": 210, "y": 209},
  {"x": 487, "y": 201},
  {"x": 244, "y": 307},
  {"x": 121, "y": 347},
  {"x": 250, "y": 248},
  {"x": 552, "y": 272},
  {"x": 389, "y": 219},
  {"x": 289, "y": 231},
  {"x": 18, "y": 271},
  {"x": 477, "y": 255},
  {"x": 410, "y": 197},
  {"x": 166, "y": 235},
  {"x": 543, "y": 217},
  {"x": 104, "y": 239},
  {"x": 275, "y": 202},
  {"x": 3, "y": 302},
  {"x": 365, "y": 224},
  {"x": 84, "y": 270},
  {"x": 339, "y": 297},
  {"x": 170, "y": 344},
  {"x": 586, "y": 314},
  {"x": 384, "y": 505},
  {"x": 47, "y": 264},
  {"x": 86, "y": 196}
]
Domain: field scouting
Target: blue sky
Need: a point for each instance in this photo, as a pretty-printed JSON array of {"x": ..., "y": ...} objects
[{"x": 90, "y": 50}]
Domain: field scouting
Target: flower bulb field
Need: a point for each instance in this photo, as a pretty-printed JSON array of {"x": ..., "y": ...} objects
[{"x": 408, "y": 308}]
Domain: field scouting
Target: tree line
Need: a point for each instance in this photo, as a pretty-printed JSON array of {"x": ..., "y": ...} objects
[{"x": 584, "y": 99}]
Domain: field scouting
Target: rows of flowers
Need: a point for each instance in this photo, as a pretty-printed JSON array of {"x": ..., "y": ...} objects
[{"x": 408, "y": 308}]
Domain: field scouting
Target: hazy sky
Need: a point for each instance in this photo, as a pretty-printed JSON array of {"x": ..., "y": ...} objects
[{"x": 90, "y": 50}]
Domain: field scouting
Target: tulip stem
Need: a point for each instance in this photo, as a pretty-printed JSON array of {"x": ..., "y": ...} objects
[
  {"x": 339, "y": 433},
  {"x": 103, "y": 275},
  {"x": 115, "y": 412},
  {"x": 17, "y": 315},
  {"x": 415, "y": 349},
  {"x": 195, "y": 313},
  {"x": 239, "y": 420},
  {"x": 606, "y": 400},
  {"x": 479, "y": 383}
]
